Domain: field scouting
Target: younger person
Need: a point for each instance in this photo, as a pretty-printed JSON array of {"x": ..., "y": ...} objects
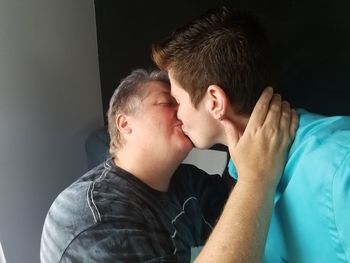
[{"x": 218, "y": 65}]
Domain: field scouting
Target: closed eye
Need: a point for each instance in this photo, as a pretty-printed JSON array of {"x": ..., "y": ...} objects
[{"x": 168, "y": 103}]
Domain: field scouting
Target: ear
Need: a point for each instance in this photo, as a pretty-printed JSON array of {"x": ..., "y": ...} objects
[
  {"x": 216, "y": 101},
  {"x": 123, "y": 124}
]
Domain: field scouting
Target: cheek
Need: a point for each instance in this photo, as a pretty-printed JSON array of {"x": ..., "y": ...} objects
[{"x": 199, "y": 126}]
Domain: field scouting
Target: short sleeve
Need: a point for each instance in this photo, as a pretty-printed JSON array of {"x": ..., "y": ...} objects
[
  {"x": 232, "y": 170},
  {"x": 108, "y": 242},
  {"x": 341, "y": 204}
]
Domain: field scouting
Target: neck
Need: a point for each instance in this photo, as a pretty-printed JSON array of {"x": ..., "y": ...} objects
[
  {"x": 155, "y": 171},
  {"x": 239, "y": 122}
]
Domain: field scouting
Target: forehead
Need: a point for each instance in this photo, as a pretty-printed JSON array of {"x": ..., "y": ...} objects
[{"x": 155, "y": 89}]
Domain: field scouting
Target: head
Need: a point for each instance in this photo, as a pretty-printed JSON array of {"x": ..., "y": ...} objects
[
  {"x": 223, "y": 48},
  {"x": 142, "y": 113}
]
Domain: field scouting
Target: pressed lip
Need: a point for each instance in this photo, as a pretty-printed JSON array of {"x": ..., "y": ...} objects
[
  {"x": 179, "y": 123},
  {"x": 181, "y": 126},
  {"x": 188, "y": 137}
]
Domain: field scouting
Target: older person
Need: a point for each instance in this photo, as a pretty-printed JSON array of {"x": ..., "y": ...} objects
[{"x": 143, "y": 205}]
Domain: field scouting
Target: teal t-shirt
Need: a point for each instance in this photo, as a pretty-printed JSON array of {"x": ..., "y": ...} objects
[{"x": 311, "y": 218}]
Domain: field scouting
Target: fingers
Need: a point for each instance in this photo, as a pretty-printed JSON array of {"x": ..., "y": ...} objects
[
  {"x": 289, "y": 120},
  {"x": 285, "y": 117},
  {"x": 280, "y": 115},
  {"x": 274, "y": 111},
  {"x": 261, "y": 108},
  {"x": 294, "y": 124}
]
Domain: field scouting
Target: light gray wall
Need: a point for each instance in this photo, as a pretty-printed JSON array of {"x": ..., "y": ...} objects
[
  {"x": 49, "y": 101},
  {"x": 213, "y": 162}
]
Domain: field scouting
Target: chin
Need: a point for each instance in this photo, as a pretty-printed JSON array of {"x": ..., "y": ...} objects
[
  {"x": 189, "y": 145},
  {"x": 186, "y": 146},
  {"x": 202, "y": 145}
]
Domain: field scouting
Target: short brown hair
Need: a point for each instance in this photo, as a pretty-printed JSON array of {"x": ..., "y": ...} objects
[
  {"x": 225, "y": 47},
  {"x": 126, "y": 99}
]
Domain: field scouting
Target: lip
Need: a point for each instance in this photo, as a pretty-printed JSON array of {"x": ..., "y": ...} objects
[
  {"x": 178, "y": 124},
  {"x": 181, "y": 126},
  {"x": 187, "y": 135}
]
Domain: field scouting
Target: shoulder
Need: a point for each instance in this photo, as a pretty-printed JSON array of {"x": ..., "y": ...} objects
[
  {"x": 68, "y": 216},
  {"x": 76, "y": 201},
  {"x": 189, "y": 178},
  {"x": 323, "y": 127},
  {"x": 81, "y": 207},
  {"x": 322, "y": 137},
  {"x": 192, "y": 172},
  {"x": 320, "y": 149}
]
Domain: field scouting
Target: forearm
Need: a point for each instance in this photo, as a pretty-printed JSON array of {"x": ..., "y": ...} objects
[{"x": 240, "y": 234}]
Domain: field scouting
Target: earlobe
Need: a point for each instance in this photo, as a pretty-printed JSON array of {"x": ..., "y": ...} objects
[
  {"x": 217, "y": 101},
  {"x": 122, "y": 124}
]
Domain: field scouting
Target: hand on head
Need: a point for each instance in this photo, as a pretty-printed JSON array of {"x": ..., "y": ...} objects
[{"x": 260, "y": 153}]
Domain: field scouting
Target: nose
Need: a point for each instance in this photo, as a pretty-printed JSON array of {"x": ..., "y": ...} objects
[
  {"x": 176, "y": 110},
  {"x": 178, "y": 113}
]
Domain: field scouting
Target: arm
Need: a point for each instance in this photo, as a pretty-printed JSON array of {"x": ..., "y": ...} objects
[{"x": 259, "y": 155}]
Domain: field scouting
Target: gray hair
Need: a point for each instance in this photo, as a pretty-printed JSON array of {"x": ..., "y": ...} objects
[{"x": 126, "y": 98}]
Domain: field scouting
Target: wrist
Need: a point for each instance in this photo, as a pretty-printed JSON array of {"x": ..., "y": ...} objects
[{"x": 257, "y": 187}]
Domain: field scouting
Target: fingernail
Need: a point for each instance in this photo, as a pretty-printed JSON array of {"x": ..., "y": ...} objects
[{"x": 269, "y": 89}]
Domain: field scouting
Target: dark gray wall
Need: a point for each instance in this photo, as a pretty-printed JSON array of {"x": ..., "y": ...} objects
[
  {"x": 310, "y": 41},
  {"x": 50, "y": 100}
]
